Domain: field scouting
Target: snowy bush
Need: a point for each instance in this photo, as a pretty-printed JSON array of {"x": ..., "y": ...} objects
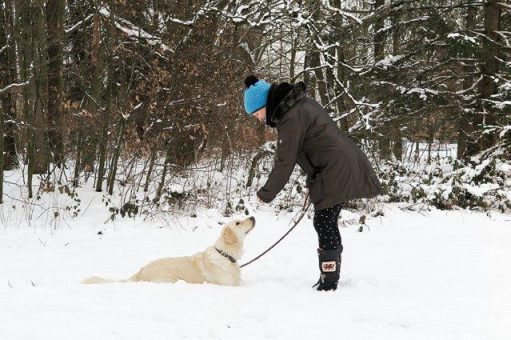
[{"x": 480, "y": 182}]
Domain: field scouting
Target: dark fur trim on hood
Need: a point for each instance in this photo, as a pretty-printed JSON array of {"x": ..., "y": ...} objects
[{"x": 282, "y": 98}]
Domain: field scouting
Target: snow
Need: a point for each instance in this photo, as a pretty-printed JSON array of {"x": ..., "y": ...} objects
[
  {"x": 423, "y": 92},
  {"x": 481, "y": 189},
  {"x": 410, "y": 275},
  {"x": 389, "y": 61},
  {"x": 462, "y": 36},
  {"x": 504, "y": 167},
  {"x": 78, "y": 24},
  {"x": 502, "y": 105},
  {"x": 10, "y": 86}
]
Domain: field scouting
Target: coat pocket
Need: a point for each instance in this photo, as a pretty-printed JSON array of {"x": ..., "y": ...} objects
[{"x": 315, "y": 186}]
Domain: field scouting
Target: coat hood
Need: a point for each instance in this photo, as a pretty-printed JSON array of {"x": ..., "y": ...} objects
[{"x": 281, "y": 98}]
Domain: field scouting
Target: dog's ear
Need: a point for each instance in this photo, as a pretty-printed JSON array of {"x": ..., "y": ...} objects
[{"x": 229, "y": 236}]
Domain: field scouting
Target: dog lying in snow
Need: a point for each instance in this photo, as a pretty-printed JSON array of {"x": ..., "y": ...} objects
[{"x": 217, "y": 264}]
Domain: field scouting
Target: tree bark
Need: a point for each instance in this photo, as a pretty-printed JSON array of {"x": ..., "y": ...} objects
[
  {"x": 307, "y": 79},
  {"x": 90, "y": 139},
  {"x": 226, "y": 147},
  {"x": 385, "y": 131},
  {"x": 340, "y": 54},
  {"x": 485, "y": 116},
  {"x": 55, "y": 24},
  {"x": 379, "y": 37},
  {"x": 251, "y": 173},
  {"x": 397, "y": 144},
  {"x": 115, "y": 156},
  {"x": 104, "y": 135},
  {"x": 315, "y": 59},
  {"x": 76, "y": 177},
  {"x": 465, "y": 122},
  {"x": 154, "y": 152},
  {"x": 8, "y": 76},
  {"x": 39, "y": 90},
  {"x": 292, "y": 61},
  {"x": 4, "y": 104},
  {"x": 163, "y": 174},
  {"x": 107, "y": 113},
  {"x": 23, "y": 39}
]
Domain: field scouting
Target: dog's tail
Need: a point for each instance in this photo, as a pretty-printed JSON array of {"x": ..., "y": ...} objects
[{"x": 97, "y": 279}]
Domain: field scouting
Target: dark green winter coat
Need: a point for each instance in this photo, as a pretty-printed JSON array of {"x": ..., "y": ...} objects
[{"x": 337, "y": 170}]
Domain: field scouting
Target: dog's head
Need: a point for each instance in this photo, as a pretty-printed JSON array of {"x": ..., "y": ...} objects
[{"x": 233, "y": 235}]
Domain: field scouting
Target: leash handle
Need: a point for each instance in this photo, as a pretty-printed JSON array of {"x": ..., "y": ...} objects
[{"x": 304, "y": 210}]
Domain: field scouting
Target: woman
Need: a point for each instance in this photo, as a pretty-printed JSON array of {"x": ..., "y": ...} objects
[{"x": 337, "y": 170}]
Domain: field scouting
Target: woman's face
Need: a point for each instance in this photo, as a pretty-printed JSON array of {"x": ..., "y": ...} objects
[{"x": 261, "y": 114}]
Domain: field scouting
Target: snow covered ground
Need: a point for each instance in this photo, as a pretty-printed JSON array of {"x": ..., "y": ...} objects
[{"x": 428, "y": 275}]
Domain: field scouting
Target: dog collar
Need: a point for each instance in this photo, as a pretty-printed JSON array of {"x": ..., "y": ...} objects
[{"x": 224, "y": 254}]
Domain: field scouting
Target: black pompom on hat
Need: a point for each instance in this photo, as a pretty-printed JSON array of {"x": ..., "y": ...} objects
[{"x": 250, "y": 80}]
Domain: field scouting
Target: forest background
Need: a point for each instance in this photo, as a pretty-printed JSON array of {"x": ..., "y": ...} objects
[{"x": 142, "y": 100}]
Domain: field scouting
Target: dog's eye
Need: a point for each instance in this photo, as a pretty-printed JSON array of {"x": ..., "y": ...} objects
[{"x": 237, "y": 223}]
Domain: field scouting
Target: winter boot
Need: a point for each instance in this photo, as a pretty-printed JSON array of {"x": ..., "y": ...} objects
[{"x": 330, "y": 267}]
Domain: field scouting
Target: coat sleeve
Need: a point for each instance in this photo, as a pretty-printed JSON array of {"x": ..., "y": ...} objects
[{"x": 289, "y": 142}]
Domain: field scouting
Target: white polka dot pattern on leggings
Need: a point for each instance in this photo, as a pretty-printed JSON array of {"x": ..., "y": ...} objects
[{"x": 325, "y": 223}]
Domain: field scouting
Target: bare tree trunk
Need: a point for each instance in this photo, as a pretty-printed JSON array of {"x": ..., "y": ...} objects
[
  {"x": 23, "y": 42},
  {"x": 115, "y": 156},
  {"x": 315, "y": 59},
  {"x": 397, "y": 146},
  {"x": 465, "y": 122},
  {"x": 430, "y": 143},
  {"x": 90, "y": 140},
  {"x": 255, "y": 161},
  {"x": 78, "y": 158},
  {"x": 1, "y": 152},
  {"x": 307, "y": 79},
  {"x": 379, "y": 36},
  {"x": 39, "y": 90},
  {"x": 396, "y": 34},
  {"x": 487, "y": 86},
  {"x": 104, "y": 135},
  {"x": 55, "y": 23},
  {"x": 340, "y": 54},
  {"x": 292, "y": 62},
  {"x": 417, "y": 151},
  {"x": 4, "y": 97},
  {"x": 384, "y": 133},
  {"x": 154, "y": 152},
  {"x": 163, "y": 174},
  {"x": 319, "y": 78},
  {"x": 261, "y": 137},
  {"x": 226, "y": 147},
  {"x": 107, "y": 113},
  {"x": 8, "y": 75}
]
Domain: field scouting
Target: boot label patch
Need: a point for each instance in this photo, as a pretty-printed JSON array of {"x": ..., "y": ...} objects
[{"x": 328, "y": 266}]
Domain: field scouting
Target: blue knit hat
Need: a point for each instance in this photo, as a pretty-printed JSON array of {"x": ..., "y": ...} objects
[{"x": 255, "y": 95}]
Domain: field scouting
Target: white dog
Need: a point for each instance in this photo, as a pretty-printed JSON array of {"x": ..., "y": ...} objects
[{"x": 218, "y": 264}]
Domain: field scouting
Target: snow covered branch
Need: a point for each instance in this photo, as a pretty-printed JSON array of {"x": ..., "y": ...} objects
[
  {"x": 8, "y": 87},
  {"x": 134, "y": 31}
]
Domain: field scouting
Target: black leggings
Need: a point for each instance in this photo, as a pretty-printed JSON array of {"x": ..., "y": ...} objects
[{"x": 325, "y": 223}]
